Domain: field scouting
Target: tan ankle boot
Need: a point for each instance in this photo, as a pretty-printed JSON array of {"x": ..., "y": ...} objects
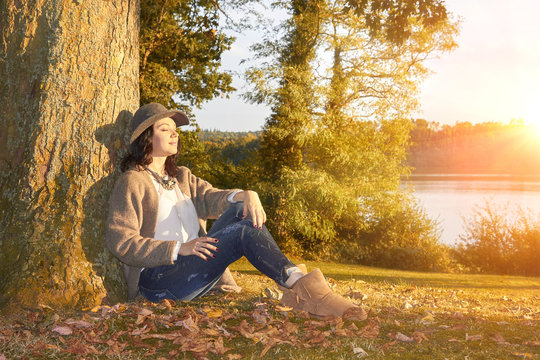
[{"x": 312, "y": 294}]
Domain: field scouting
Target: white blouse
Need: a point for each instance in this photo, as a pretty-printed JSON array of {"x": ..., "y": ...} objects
[{"x": 177, "y": 218}]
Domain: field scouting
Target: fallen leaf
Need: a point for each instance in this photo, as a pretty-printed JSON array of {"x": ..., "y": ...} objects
[
  {"x": 426, "y": 319},
  {"x": 44, "y": 307},
  {"x": 402, "y": 337},
  {"x": 213, "y": 313},
  {"x": 190, "y": 324},
  {"x": 211, "y": 332},
  {"x": 79, "y": 348},
  {"x": 370, "y": 331},
  {"x": 315, "y": 323},
  {"x": 231, "y": 357},
  {"x": 224, "y": 331},
  {"x": 41, "y": 345},
  {"x": 473, "y": 337},
  {"x": 498, "y": 338},
  {"x": 355, "y": 313},
  {"x": 523, "y": 355},
  {"x": 272, "y": 294},
  {"x": 259, "y": 318},
  {"x": 167, "y": 303},
  {"x": 458, "y": 315},
  {"x": 79, "y": 324},
  {"x": 358, "y": 351},
  {"x": 419, "y": 336},
  {"x": 169, "y": 336},
  {"x": 357, "y": 295},
  {"x": 407, "y": 305},
  {"x": 458, "y": 327},
  {"x": 315, "y": 336},
  {"x": 139, "y": 331},
  {"x": 94, "y": 309},
  {"x": 63, "y": 330},
  {"x": 140, "y": 319},
  {"x": 268, "y": 346},
  {"x": 115, "y": 349},
  {"x": 283, "y": 308},
  {"x": 388, "y": 345},
  {"x": 145, "y": 312},
  {"x": 2, "y": 357}
]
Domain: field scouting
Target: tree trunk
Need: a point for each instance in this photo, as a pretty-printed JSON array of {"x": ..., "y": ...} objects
[{"x": 68, "y": 87}]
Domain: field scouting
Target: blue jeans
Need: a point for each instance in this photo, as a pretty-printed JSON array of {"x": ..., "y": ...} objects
[{"x": 191, "y": 276}]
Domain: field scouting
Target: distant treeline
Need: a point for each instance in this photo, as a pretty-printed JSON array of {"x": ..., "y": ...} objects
[
  {"x": 464, "y": 148},
  {"x": 234, "y": 147},
  {"x": 486, "y": 148},
  {"x": 222, "y": 137}
]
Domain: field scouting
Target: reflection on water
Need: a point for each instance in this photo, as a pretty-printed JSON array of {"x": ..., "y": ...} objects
[{"x": 451, "y": 198}]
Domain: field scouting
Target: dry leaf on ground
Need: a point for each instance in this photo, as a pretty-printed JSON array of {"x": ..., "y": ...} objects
[
  {"x": 420, "y": 336},
  {"x": 358, "y": 351},
  {"x": 79, "y": 324},
  {"x": 498, "y": 338},
  {"x": 402, "y": 337},
  {"x": 63, "y": 330},
  {"x": 371, "y": 330},
  {"x": 473, "y": 337}
]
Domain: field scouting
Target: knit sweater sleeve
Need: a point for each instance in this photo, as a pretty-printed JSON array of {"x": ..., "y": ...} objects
[
  {"x": 131, "y": 224},
  {"x": 209, "y": 201}
]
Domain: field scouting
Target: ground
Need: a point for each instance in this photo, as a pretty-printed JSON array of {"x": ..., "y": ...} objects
[{"x": 411, "y": 316}]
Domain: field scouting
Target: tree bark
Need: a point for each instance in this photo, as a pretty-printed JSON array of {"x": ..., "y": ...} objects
[{"x": 68, "y": 88}]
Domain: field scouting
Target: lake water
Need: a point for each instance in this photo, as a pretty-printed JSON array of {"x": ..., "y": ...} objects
[{"x": 451, "y": 198}]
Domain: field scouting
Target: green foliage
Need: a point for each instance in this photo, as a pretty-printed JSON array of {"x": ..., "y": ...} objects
[
  {"x": 225, "y": 160},
  {"x": 180, "y": 52},
  {"x": 389, "y": 18},
  {"x": 394, "y": 232},
  {"x": 307, "y": 212},
  {"x": 501, "y": 241},
  {"x": 338, "y": 135}
]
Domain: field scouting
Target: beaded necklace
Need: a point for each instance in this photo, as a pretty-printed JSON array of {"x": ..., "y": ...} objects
[{"x": 168, "y": 184}]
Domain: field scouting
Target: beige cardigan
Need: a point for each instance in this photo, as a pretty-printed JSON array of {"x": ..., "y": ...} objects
[{"x": 133, "y": 211}]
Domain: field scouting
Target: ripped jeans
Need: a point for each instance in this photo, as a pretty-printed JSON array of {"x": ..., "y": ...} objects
[{"x": 191, "y": 276}]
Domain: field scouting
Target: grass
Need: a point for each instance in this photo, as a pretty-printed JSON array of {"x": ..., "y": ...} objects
[{"x": 411, "y": 316}]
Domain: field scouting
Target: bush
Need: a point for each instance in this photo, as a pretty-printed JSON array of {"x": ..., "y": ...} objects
[
  {"x": 500, "y": 241},
  {"x": 396, "y": 233}
]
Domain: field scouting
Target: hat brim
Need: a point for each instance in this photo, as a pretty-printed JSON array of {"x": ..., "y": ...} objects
[{"x": 178, "y": 117}]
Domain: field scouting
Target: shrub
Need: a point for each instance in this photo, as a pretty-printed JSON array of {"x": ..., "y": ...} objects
[
  {"x": 501, "y": 241},
  {"x": 394, "y": 232}
]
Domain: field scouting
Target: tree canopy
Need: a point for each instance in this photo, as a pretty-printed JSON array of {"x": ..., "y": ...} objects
[{"x": 181, "y": 44}]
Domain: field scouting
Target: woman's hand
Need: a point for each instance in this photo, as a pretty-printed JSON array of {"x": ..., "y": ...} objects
[
  {"x": 201, "y": 247},
  {"x": 252, "y": 206}
]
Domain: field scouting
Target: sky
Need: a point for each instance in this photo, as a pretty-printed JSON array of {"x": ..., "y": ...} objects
[{"x": 494, "y": 74}]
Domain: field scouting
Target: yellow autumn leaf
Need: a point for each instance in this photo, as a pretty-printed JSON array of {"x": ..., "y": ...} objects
[{"x": 213, "y": 313}]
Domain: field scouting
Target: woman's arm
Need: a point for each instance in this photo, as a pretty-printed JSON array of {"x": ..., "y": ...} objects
[
  {"x": 252, "y": 206},
  {"x": 210, "y": 202}
]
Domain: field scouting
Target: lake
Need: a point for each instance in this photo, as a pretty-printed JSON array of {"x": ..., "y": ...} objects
[{"x": 451, "y": 198}]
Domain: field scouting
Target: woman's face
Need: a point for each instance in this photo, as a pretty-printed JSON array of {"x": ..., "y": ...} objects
[{"x": 165, "y": 138}]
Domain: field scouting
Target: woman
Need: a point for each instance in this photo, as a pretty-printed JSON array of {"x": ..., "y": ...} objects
[{"x": 154, "y": 226}]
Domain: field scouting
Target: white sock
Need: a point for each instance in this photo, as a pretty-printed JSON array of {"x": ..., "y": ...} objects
[{"x": 294, "y": 274}]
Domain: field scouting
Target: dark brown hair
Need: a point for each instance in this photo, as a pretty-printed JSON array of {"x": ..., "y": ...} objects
[{"x": 140, "y": 154}]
